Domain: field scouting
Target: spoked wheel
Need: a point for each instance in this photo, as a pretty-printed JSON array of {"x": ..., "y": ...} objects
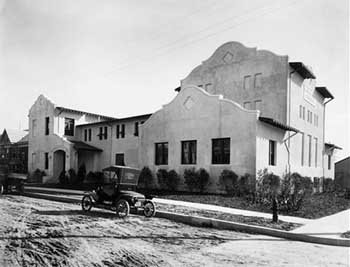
[
  {"x": 122, "y": 208},
  {"x": 149, "y": 209},
  {"x": 86, "y": 203}
]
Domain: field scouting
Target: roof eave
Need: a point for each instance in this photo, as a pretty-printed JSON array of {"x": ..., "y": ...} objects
[{"x": 302, "y": 70}]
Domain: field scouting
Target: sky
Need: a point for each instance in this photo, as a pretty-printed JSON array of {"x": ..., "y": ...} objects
[{"x": 124, "y": 58}]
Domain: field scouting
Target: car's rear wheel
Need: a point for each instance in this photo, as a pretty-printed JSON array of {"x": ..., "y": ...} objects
[
  {"x": 86, "y": 203},
  {"x": 122, "y": 208},
  {"x": 149, "y": 209}
]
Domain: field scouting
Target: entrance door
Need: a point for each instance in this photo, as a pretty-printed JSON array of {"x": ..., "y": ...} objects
[{"x": 59, "y": 162}]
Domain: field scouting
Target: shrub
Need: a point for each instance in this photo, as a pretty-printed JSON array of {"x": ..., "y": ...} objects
[
  {"x": 295, "y": 188},
  {"x": 203, "y": 179},
  {"x": 73, "y": 178},
  {"x": 228, "y": 180},
  {"x": 36, "y": 176},
  {"x": 146, "y": 178},
  {"x": 173, "y": 180},
  {"x": 63, "y": 178},
  {"x": 162, "y": 177},
  {"x": 191, "y": 178},
  {"x": 244, "y": 185},
  {"x": 268, "y": 187},
  {"x": 328, "y": 185},
  {"x": 81, "y": 173}
]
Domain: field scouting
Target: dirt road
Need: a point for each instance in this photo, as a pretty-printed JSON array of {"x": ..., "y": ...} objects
[{"x": 36, "y": 232}]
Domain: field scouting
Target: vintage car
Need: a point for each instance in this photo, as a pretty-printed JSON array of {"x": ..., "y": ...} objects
[
  {"x": 117, "y": 193},
  {"x": 11, "y": 182}
]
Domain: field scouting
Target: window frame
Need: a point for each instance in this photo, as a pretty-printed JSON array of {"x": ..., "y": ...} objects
[
  {"x": 191, "y": 158},
  {"x": 47, "y": 125},
  {"x": 162, "y": 158},
  {"x": 218, "y": 144},
  {"x": 272, "y": 153},
  {"x": 69, "y": 132}
]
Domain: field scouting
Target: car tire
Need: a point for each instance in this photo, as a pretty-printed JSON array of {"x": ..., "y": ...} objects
[
  {"x": 149, "y": 209},
  {"x": 122, "y": 208},
  {"x": 86, "y": 203}
]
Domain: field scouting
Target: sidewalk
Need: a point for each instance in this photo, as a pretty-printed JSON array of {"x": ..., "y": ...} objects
[
  {"x": 231, "y": 210},
  {"x": 330, "y": 226}
]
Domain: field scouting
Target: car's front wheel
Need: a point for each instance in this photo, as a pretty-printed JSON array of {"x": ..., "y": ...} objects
[
  {"x": 86, "y": 203},
  {"x": 122, "y": 208},
  {"x": 149, "y": 209}
]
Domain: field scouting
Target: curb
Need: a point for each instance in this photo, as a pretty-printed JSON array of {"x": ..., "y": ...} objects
[{"x": 221, "y": 224}]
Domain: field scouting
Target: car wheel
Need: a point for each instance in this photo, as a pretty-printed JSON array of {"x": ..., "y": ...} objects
[
  {"x": 149, "y": 209},
  {"x": 86, "y": 203},
  {"x": 122, "y": 208}
]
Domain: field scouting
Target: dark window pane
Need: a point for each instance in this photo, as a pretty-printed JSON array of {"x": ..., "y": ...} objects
[
  {"x": 161, "y": 155},
  {"x": 47, "y": 125},
  {"x": 68, "y": 126},
  {"x": 221, "y": 151},
  {"x": 272, "y": 152},
  {"x": 188, "y": 152},
  {"x": 136, "y": 130},
  {"x": 119, "y": 159}
]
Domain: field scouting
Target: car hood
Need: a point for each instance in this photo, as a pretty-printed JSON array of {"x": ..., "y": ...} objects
[{"x": 132, "y": 194}]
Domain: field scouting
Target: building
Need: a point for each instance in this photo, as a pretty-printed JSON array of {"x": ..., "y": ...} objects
[
  {"x": 14, "y": 150},
  {"x": 242, "y": 109},
  {"x": 342, "y": 173}
]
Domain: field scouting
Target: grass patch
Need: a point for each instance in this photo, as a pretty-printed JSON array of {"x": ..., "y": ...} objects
[
  {"x": 251, "y": 220},
  {"x": 314, "y": 207}
]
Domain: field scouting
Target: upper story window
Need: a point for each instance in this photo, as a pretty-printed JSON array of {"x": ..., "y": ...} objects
[
  {"x": 161, "y": 150},
  {"x": 258, "y": 80},
  {"x": 300, "y": 111},
  {"x": 34, "y": 127},
  {"x": 136, "y": 129},
  {"x": 89, "y": 134},
  {"x": 103, "y": 134},
  {"x": 47, "y": 125},
  {"x": 303, "y": 113},
  {"x": 188, "y": 152},
  {"x": 120, "y": 133},
  {"x": 315, "y": 120},
  {"x": 329, "y": 162},
  {"x": 85, "y": 135},
  {"x": 246, "y": 82},
  {"x": 221, "y": 151},
  {"x": 272, "y": 153},
  {"x": 68, "y": 126}
]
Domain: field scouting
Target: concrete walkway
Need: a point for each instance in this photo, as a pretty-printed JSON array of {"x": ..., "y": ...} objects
[
  {"x": 232, "y": 211},
  {"x": 330, "y": 226}
]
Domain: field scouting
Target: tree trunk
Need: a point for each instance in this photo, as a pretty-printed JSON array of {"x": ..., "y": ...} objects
[{"x": 274, "y": 210}]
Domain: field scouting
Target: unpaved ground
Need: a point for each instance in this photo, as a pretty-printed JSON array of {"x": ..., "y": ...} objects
[{"x": 36, "y": 232}]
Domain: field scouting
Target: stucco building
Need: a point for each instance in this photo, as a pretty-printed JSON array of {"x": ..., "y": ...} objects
[{"x": 242, "y": 109}]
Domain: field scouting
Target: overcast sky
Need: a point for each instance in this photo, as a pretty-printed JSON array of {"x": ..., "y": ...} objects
[{"x": 122, "y": 58}]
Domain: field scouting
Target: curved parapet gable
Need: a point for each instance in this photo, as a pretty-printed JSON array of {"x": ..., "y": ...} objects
[
  {"x": 231, "y": 53},
  {"x": 40, "y": 102}
]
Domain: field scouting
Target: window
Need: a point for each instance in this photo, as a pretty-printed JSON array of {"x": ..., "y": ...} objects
[
  {"x": 302, "y": 148},
  {"x": 47, "y": 125},
  {"x": 246, "y": 82},
  {"x": 119, "y": 159},
  {"x": 329, "y": 161},
  {"x": 89, "y": 134},
  {"x": 105, "y": 134},
  {"x": 136, "y": 129},
  {"x": 46, "y": 161},
  {"x": 120, "y": 131},
  {"x": 257, "y": 80},
  {"x": 34, "y": 128},
  {"x": 85, "y": 135},
  {"x": 303, "y": 113},
  {"x": 310, "y": 150},
  {"x": 221, "y": 151},
  {"x": 68, "y": 126},
  {"x": 315, "y": 120},
  {"x": 300, "y": 111},
  {"x": 315, "y": 151},
  {"x": 188, "y": 152},
  {"x": 161, "y": 154},
  {"x": 310, "y": 117},
  {"x": 272, "y": 153},
  {"x": 100, "y": 135},
  {"x": 246, "y": 105}
]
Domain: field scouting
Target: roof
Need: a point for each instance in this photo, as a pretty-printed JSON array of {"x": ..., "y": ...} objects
[
  {"x": 83, "y": 112},
  {"x": 330, "y": 145},
  {"x": 78, "y": 145},
  {"x": 303, "y": 70},
  {"x": 138, "y": 117},
  {"x": 278, "y": 124},
  {"x": 324, "y": 92},
  {"x": 348, "y": 158},
  {"x": 14, "y": 135}
]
